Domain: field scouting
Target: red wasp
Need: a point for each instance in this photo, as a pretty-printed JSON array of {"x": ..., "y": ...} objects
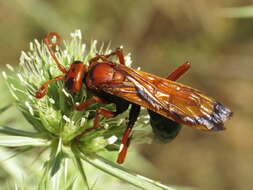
[{"x": 169, "y": 103}]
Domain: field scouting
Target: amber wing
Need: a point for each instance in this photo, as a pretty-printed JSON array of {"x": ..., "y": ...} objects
[{"x": 173, "y": 100}]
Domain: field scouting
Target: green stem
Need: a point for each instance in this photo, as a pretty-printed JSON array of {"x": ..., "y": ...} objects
[{"x": 124, "y": 174}]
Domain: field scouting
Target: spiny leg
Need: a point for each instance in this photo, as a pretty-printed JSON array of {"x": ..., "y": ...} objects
[
  {"x": 96, "y": 125},
  {"x": 125, "y": 142},
  {"x": 42, "y": 91},
  {"x": 176, "y": 74},
  {"x": 120, "y": 55},
  {"x": 84, "y": 105},
  {"x": 120, "y": 107},
  {"x": 105, "y": 113},
  {"x": 118, "y": 52},
  {"x": 89, "y": 101},
  {"x": 50, "y": 44}
]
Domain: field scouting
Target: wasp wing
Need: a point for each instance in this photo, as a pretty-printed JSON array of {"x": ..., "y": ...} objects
[{"x": 173, "y": 100}]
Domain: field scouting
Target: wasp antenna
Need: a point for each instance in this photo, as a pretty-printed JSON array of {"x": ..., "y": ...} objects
[{"x": 50, "y": 44}]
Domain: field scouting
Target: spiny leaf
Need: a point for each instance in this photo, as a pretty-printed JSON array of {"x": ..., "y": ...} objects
[
  {"x": 5, "y": 108},
  {"x": 79, "y": 165},
  {"x": 16, "y": 132},
  {"x": 124, "y": 174},
  {"x": 15, "y": 141}
]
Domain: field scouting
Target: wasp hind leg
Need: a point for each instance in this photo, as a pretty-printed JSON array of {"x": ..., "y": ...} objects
[
  {"x": 125, "y": 142},
  {"x": 176, "y": 74}
]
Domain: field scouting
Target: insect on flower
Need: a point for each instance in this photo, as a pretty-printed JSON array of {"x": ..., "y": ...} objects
[{"x": 169, "y": 103}]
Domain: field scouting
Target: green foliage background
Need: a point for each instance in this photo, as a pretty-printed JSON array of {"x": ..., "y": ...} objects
[{"x": 160, "y": 36}]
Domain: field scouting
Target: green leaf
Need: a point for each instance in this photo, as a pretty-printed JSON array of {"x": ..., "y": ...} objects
[
  {"x": 15, "y": 141},
  {"x": 70, "y": 186},
  {"x": 79, "y": 165},
  {"x": 5, "y": 108},
  {"x": 44, "y": 182},
  {"x": 16, "y": 132},
  {"x": 21, "y": 151},
  {"x": 52, "y": 175},
  {"x": 124, "y": 174},
  {"x": 11, "y": 166},
  {"x": 56, "y": 159}
]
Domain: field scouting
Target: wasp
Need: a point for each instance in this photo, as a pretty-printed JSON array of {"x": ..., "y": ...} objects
[{"x": 170, "y": 104}]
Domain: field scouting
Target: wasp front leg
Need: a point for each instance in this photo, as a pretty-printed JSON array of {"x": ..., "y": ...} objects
[
  {"x": 50, "y": 44},
  {"x": 42, "y": 91}
]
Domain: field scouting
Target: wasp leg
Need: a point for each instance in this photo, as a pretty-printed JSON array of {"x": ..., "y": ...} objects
[
  {"x": 50, "y": 44},
  {"x": 125, "y": 142},
  {"x": 105, "y": 113},
  {"x": 118, "y": 52},
  {"x": 179, "y": 71},
  {"x": 84, "y": 105},
  {"x": 96, "y": 125},
  {"x": 102, "y": 57},
  {"x": 42, "y": 91},
  {"x": 92, "y": 100},
  {"x": 120, "y": 108},
  {"x": 120, "y": 55}
]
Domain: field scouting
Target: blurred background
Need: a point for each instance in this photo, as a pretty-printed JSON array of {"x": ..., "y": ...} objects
[{"x": 161, "y": 35}]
